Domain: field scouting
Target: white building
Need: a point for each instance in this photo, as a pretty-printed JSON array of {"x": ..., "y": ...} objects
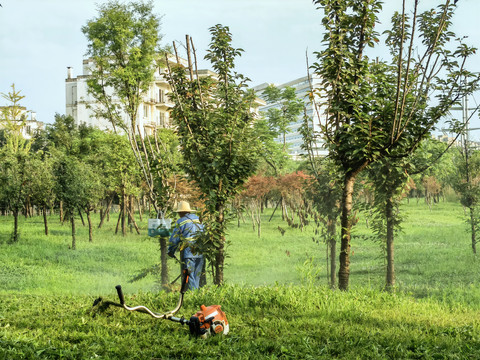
[
  {"x": 153, "y": 112},
  {"x": 25, "y": 121},
  {"x": 294, "y": 138}
]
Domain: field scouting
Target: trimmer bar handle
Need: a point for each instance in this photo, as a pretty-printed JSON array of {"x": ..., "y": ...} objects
[
  {"x": 120, "y": 294},
  {"x": 144, "y": 309}
]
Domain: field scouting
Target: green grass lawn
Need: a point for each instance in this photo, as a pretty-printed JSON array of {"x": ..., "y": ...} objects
[
  {"x": 277, "y": 306},
  {"x": 432, "y": 255},
  {"x": 274, "y": 322}
]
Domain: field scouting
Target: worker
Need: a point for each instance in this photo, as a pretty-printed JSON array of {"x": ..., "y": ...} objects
[{"x": 184, "y": 232}]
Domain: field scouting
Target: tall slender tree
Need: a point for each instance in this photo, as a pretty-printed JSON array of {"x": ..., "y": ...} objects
[
  {"x": 14, "y": 157},
  {"x": 287, "y": 110},
  {"x": 72, "y": 182},
  {"x": 124, "y": 43},
  {"x": 383, "y": 109},
  {"x": 466, "y": 182},
  {"x": 214, "y": 121}
]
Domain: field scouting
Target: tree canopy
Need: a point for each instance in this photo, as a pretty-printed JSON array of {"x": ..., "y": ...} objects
[
  {"x": 214, "y": 120},
  {"x": 384, "y": 109}
]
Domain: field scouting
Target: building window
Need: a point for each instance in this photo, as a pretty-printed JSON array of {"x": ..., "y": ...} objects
[
  {"x": 145, "y": 111},
  {"x": 161, "y": 96},
  {"x": 161, "y": 119}
]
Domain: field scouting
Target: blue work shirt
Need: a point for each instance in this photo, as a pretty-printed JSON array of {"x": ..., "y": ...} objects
[{"x": 185, "y": 229}]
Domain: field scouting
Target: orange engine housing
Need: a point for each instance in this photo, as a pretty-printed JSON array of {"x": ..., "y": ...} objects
[{"x": 210, "y": 320}]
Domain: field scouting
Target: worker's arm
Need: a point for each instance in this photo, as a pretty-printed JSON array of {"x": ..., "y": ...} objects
[{"x": 173, "y": 242}]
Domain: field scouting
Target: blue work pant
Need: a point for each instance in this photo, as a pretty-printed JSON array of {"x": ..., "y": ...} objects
[{"x": 195, "y": 267}]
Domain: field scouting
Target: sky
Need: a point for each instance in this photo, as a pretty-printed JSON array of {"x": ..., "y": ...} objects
[{"x": 39, "y": 39}]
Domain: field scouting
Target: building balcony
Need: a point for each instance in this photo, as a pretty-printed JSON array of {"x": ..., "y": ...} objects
[{"x": 164, "y": 105}]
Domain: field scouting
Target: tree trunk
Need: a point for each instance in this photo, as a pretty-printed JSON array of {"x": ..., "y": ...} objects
[
  {"x": 139, "y": 209},
  {"x": 129, "y": 212},
  {"x": 105, "y": 212},
  {"x": 346, "y": 222},
  {"x": 220, "y": 253},
  {"x": 118, "y": 221},
  {"x": 253, "y": 219},
  {"x": 474, "y": 235},
  {"x": 81, "y": 216},
  {"x": 62, "y": 218},
  {"x": 74, "y": 241},
  {"x": 259, "y": 226},
  {"x": 132, "y": 221},
  {"x": 123, "y": 213},
  {"x": 390, "y": 280},
  {"x": 163, "y": 260},
  {"x": 332, "y": 243},
  {"x": 90, "y": 225},
  {"x": 284, "y": 215},
  {"x": 15, "y": 226},
  {"x": 258, "y": 218},
  {"x": 273, "y": 213},
  {"x": 219, "y": 262},
  {"x": 27, "y": 208},
  {"x": 45, "y": 223}
]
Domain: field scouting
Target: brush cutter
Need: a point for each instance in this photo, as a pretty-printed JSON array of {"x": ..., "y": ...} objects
[{"x": 210, "y": 320}]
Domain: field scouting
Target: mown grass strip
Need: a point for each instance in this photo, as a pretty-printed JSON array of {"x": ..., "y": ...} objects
[{"x": 287, "y": 322}]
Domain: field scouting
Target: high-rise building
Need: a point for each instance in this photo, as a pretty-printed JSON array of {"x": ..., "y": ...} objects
[{"x": 316, "y": 114}]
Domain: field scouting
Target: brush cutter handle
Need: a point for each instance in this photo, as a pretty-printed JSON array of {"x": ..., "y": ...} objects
[
  {"x": 185, "y": 278},
  {"x": 120, "y": 294}
]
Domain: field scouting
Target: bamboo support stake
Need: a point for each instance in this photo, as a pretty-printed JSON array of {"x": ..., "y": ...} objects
[{"x": 190, "y": 67}]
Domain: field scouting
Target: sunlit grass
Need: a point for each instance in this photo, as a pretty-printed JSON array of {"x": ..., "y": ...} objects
[
  {"x": 40, "y": 264},
  {"x": 275, "y": 322},
  {"x": 276, "y": 297},
  {"x": 432, "y": 255}
]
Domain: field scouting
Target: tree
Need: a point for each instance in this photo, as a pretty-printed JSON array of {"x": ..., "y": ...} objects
[
  {"x": 42, "y": 184},
  {"x": 392, "y": 181},
  {"x": 254, "y": 194},
  {"x": 13, "y": 120},
  {"x": 379, "y": 110},
  {"x": 73, "y": 182},
  {"x": 214, "y": 122},
  {"x": 466, "y": 182},
  {"x": 273, "y": 155},
  {"x": 121, "y": 172},
  {"x": 325, "y": 195},
  {"x": 288, "y": 108},
  {"x": 14, "y": 158},
  {"x": 123, "y": 43},
  {"x": 389, "y": 184},
  {"x": 13, "y": 177},
  {"x": 433, "y": 167},
  {"x": 292, "y": 188},
  {"x": 62, "y": 135}
]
